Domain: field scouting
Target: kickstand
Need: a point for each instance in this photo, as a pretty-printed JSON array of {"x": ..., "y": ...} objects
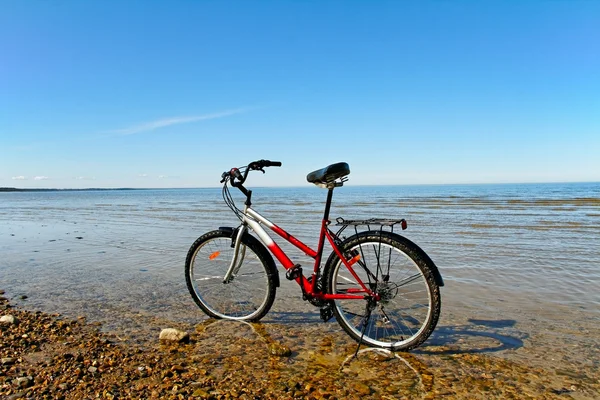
[{"x": 365, "y": 322}]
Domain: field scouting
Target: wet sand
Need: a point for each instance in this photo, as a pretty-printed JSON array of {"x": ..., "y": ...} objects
[{"x": 51, "y": 357}]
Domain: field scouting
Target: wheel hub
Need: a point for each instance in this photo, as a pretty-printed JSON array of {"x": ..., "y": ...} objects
[{"x": 387, "y": 291}]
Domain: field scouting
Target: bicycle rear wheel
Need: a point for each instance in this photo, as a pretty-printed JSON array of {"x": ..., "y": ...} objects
[
  {"x": 251, "y": 292},
  {"x": 400, "y": 272}
]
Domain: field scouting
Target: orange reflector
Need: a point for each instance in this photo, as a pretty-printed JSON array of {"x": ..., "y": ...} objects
[
  {"x": 354, "y": 259},
  {"x": 214, "y": 255}
]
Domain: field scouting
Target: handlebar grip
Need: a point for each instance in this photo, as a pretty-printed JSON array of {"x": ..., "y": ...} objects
[
  {"x": 272, "y": 163},
  {"x": 224, "y": 176}
]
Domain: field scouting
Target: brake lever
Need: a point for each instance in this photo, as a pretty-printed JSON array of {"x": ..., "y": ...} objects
[
  {"x": 224, "y": 176},
  {"x": 261, "y": 169}
]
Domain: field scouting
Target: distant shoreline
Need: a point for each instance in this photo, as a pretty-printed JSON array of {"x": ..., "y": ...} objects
[{"x": 11, "y": 189}]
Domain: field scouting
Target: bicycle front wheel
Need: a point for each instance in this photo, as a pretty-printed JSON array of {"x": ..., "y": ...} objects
[
  {"x": 401, "y": 274},
  {"x": 248, "y": 296}
]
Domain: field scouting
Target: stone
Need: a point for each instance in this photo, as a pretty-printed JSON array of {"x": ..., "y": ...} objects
[
  {"x": 279, "y": 350},
  {"x": 200, "y": 393},
  {"x": 92, "y": 369},
  {"x": 173, "y": 335},
  {"x": 7, "y": 361},
  {"x": 23, "y": 382},
  {"x": 8, "y": 319},
  {"x": 362, "y": 388}
]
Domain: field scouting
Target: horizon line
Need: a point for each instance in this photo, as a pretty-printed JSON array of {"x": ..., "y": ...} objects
[{"x": 11, "y": 188}]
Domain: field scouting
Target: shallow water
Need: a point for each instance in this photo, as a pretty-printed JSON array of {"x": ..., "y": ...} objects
[{"x": 520, "y": 262}]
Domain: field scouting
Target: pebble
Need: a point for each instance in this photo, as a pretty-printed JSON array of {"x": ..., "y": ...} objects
[
  {"x": 23, "y": 382},
  {"x": 173, "y": 335},
  {"x": 279, "y": 350},
  {"x": 362, "y": 388},
  {"x": 8, "y": 319},
  {"x": 200, "y": 393}
]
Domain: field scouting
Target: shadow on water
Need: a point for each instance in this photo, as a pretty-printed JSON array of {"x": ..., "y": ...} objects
[
  {"x": 479, "y": 336},
  {"x": 476, "y": 337}
]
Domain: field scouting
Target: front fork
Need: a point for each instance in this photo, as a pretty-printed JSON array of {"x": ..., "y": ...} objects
[{"x": 239, "y": 252}]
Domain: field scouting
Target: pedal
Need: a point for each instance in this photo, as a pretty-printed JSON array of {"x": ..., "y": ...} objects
[
  {"x": 294, "y": 272},
  {"x": 326, "y": 312}
]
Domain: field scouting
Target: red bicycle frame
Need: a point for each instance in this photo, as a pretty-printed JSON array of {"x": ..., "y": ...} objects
[{"x": 253, "y": 219}]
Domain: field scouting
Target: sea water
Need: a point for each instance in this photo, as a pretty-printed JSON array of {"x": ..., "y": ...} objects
[{"x": 521, "y": 262}]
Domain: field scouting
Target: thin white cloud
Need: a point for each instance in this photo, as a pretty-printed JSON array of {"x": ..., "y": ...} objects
[
  {"x": 142, "y": 175},
  {"x": 162, "y": 176},
  {"x": 40, "y": 178},
  {"x": 85, "y": 178},
  {"x": 161, "y": 123},
  {"x": 19, "y": 178}
]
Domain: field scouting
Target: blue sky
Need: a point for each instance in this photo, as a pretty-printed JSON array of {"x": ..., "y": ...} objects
[{"x": 170, "y": 94}]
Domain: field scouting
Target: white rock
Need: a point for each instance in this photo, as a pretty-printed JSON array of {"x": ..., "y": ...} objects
[
  {"x": 173, "y": 335},
  {"x": 8, "y": 319}
]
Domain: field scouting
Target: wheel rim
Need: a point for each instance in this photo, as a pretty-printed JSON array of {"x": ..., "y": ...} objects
[
  {"x": 404, "y": 308},
  {"x": 242, "y": 298}
]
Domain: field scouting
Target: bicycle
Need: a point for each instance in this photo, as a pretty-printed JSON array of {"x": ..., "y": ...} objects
[{"x": 382, "y": 288}]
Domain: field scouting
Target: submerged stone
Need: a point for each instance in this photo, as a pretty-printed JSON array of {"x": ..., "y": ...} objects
[{"x": 279, "y": 350}]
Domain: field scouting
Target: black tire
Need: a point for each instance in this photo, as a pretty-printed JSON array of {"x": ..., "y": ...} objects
[
  {"x": 248, "y": 296},
  {"x": 410, "y": 297}
]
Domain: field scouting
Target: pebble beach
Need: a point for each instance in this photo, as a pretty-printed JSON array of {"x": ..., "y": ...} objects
[{"x": 47, "y": 356}]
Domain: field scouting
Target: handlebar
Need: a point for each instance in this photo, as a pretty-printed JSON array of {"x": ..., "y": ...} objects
[
  {"x": 235, "y": 173},
  {"x": 263, "y": 163}
]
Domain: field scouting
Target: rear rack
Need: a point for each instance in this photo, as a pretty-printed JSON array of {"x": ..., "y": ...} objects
[
  {"x": 380, "y": 222},
  {"x": 370, "y": 221}
]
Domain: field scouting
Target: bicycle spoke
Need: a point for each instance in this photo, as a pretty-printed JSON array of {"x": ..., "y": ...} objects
[{"x": 408, "y": 280}]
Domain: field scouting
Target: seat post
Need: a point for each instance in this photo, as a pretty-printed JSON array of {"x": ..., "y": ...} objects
[
  {"x": 324, "y": 224},
  {"x": 328, "y": 203}
]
